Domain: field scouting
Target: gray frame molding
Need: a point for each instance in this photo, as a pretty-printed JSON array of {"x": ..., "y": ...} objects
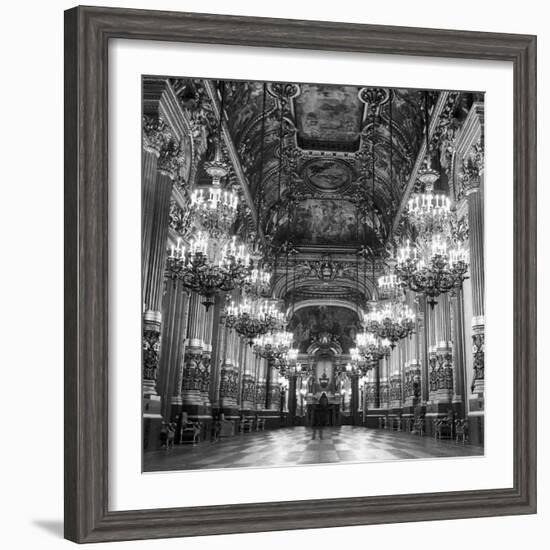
[{"x": 87, "y": 33}]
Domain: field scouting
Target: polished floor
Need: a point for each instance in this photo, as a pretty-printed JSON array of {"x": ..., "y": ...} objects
[{"x": 295, "y": 446}]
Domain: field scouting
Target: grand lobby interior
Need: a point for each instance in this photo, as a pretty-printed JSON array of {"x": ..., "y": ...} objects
[{"x": 312, "y": 273}]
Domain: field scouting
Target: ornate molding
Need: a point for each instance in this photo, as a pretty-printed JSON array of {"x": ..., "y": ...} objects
[
  {"x": 170, "y": 159},
  {"x": 151, "y": 354},
  {"x": 156, "y": 134},
  {"x": 478, "y": 350}
]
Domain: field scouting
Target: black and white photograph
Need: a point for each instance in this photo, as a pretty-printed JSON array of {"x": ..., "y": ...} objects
[{"x": 312, "y": 273}]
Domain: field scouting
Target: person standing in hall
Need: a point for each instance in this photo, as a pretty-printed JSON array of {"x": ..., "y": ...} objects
[{"x": 320, "y": 414}]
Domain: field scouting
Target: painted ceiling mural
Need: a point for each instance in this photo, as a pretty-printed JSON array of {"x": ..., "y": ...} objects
[
  {"x": 328, "y": 116},
  {"x": 326, "y": 165},
  {"x": 323, "y": 325}
]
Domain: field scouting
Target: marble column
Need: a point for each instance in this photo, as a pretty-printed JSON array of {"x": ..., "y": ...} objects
[
  {"x": 444, "y": 366},
  {"x": 155, "y": 221},
  {"x": 193, "y": 371},
  {"x": 173, "y": 336},
  {"x": 219, "y": 342},
  {"x": 477, "y": 274},
  {"x": 156, "y": 136},
  {"x": 384, "y": 383},
  {"x": 457, "y": 324},
  {"x": 354, "y": 400},
  {"x": 292, "y": 398},
  {"x": 273, "y": 391},
  {"x": 472, "y": 181}
]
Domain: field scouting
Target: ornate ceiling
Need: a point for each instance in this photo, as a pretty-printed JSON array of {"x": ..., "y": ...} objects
[
  {"x": 311, "y": 193},
  {"x": 326, "y": 168}
]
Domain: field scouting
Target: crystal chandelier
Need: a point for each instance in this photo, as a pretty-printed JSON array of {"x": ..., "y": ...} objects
[
  {"x": 291, "y": 355},
  {"x": 429, "y": 212},
  {"x": 257, "y": 283},
  {"x": 371, "y": 347},
  {"x": 273, "y": 346},
  {"x": 213, "y": 207},
  {"x": 208, "y": 267},
  {"x": 253, "y": 318},
  {"x": 432, "y": 268},
  {"x": 393, "y": 321}
]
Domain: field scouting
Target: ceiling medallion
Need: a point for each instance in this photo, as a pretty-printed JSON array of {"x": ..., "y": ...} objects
[{"x": 327, "y": 175}]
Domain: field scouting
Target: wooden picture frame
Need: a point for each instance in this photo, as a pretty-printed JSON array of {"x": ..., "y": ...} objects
[{"x": 87, "y": 34}]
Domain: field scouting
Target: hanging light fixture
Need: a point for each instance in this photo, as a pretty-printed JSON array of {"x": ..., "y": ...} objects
[
  {"x": 434, "y": 267},
  {"x": 214, "y": 208},
  {"x": 258, "y": 283},
  {"x": 273, "y": 346},
  {"x": 253, "y": 318},
  {"x": 206, "y": 268},
  {"x": 429, "y": 212},
  {"x": 392, "y": 321},
  {"x": 389, "y": 284},
  {"x": 371, "y": 347}
]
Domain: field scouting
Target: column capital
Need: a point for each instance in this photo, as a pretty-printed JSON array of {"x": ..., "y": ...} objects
[
  {"x": 170, "y": 159},
  {"x": 472, "y": 170},
  {"x": 156, "y": 134}
]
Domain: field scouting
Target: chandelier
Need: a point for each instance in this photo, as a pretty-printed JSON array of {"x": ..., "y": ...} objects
[
  {"x": 257, "y": 283},
  {"x": 253, "y": 318},
  {"x": 432, "y": 268},
  {"x": 430, "y": 212},
  {"x": 291, "y": 356},
  {"x": 390, "y": 285},
  {"x": 273, "y": 346},
  {"x": 208, "y": 267},
  {"x": 391, "y": 322},
  {"x": 214, "y": 209},
  {"x": 370, "y": 347}
]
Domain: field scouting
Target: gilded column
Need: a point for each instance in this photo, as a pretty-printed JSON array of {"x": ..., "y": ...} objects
[
  {"x": 218, "y": 349},
  {"x": 384, "y": 383},
  {"x": 174, "y": 330},
  {"x": 472, "y": 181},
  {"x": 156, "y": 218},
  {"x": 457, "y": 322},
  {"x": 193, "y": 366},
  {"x": 444, "y": 366}
]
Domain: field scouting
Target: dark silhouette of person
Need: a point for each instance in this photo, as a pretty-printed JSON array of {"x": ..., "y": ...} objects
[{"x": 320, "y": 416}]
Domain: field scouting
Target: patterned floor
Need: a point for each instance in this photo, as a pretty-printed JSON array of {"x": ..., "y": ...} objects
[{"x": 295, "y": 446}]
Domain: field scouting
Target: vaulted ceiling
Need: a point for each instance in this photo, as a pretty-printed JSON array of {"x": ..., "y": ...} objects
[
  {"x": 327, "y": 168},
  {"x": 317, "y": 188}
]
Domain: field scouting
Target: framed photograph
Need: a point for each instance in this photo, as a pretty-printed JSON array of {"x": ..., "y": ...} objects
[{"x": 300, "y": 274}]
